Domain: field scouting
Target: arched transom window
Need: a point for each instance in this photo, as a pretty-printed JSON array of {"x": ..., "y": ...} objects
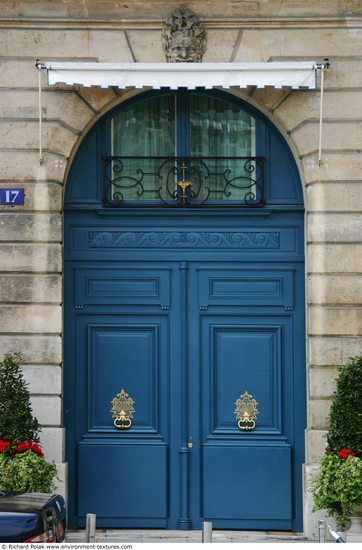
[{"x": 183, "y": 149}]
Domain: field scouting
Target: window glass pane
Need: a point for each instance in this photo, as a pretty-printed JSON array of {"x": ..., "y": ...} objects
[
  {"x": 145, "y": 129},
  {"x": 221, "y": 129}
]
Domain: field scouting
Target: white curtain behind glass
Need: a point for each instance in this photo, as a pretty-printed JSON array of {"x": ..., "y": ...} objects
[
  {"x": 145, "y": 129},
  {"x": 222, "y": 129}
]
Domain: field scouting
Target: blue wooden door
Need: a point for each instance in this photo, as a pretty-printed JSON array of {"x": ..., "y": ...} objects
[
  {"x": 185, "y": 338},
  {"x": 186, "y": 310}
]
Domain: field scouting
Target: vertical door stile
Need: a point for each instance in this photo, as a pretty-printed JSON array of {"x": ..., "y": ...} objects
[{"x": 184, "y": 520}]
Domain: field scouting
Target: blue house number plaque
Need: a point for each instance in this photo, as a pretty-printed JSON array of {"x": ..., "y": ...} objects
[{"x": 12, "y": 197}]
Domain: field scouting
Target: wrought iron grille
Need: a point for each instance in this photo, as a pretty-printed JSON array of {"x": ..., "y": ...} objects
[{"x": 183, "y": 181}]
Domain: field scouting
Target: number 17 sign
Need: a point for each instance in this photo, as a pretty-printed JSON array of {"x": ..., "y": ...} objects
[{"x": 12, "y": 197}]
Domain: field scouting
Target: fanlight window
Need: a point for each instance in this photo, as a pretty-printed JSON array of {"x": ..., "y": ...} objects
[{"x": 183, "y": 149}]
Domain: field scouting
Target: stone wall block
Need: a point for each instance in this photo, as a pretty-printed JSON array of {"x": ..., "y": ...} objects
[
  {"x": 335, "y": 167},
  {"x": 44, "y": 379},
  {"x": 316, "y": 442},
  {"x": 344, "y": 73},
  {"x": 30, "y": 227},
  {"x": 34, "y": 349},
  {"x": 334, "y": 320},
  {"x": 62, "y": 481},
  {"x": 47, "y": 409},
  {"x": 18, "y": 74},
  {"x": 59, "y": 103},
  {"x": 109, "y": 46},
  {"x": 334, "y": 197},
  {"x": 334, "y": 227},
  {"x": 319, "y": 413},
  {"x": 147, "y": 46},
  {"x": 158, "y": 9},
  {"x": 52, "y": 443},
  {"x": 20, "y": 165},
  {"x": 302, "y": 105},
  {"x": 99, "y": 98},
  {"x": 30, "y": 288},
  {"x": 220, "y": 45},
  {"x": 44, "y": 43},
  {"x": 24, "y": 135},
  {"x": 316, "y": 43},
  {"x": 325, "y": 350},
  {"x": 31, "y": 318},
  {"x": 268, "y": 98},
  {"x": 37, "y": 196},
  {"x": 334, "y": 258},
  {"x": 333, "y": 350},
  {"x": 336, "y": 136},
  {"x": 335, "y": 289},
  {"x": 34, "y": 257},
  {"x": 322, "y": 382},
  {"x": 350, "y": 348}
]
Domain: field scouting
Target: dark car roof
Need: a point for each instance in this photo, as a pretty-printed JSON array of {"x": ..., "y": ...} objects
[{"x": 27, "y": 502}]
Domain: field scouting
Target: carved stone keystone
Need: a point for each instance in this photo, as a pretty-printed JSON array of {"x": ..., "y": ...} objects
[{"x": 183, "y": 36}]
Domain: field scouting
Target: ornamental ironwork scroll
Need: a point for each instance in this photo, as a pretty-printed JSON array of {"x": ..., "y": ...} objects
[
  {"x": 183, "y": 181},
  {"x": 246, "y": 411},
  {"x": 122, "y": 410}
]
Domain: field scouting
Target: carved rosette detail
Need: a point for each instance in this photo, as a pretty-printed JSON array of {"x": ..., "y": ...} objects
[{"x": 183, "y": 37}]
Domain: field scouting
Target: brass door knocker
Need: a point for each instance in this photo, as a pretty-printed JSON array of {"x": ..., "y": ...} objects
[
  {"x": 122, "y": 410},
  {"x": 246, "y": 411}
]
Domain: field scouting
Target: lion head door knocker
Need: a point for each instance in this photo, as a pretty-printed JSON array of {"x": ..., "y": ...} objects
[
  {"x": 246, "y": 411},
  {"x": 122, "y": 410}
]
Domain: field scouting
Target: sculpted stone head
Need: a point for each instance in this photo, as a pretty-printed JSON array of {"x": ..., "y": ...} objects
[{"x": 184, "y": 38}]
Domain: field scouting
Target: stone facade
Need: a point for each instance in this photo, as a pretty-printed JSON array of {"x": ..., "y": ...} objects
[{"x": 237, "y": 30}]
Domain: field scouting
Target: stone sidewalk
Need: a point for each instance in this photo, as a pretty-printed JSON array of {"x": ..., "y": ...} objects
[{"x": 159, "y": 536}]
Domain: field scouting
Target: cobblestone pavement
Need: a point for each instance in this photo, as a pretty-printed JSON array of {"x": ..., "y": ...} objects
[{"x": 156, "y": 535}]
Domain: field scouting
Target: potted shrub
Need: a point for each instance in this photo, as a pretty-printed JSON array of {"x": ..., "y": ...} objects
[
  {"x": 23, "y": 467},
  {"x": 337, "y": 486}
]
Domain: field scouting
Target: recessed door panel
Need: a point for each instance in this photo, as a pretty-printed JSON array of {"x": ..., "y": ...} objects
[
  {"x": 247, "y": 483},
  {"x": 122, "y": 285},
  {"x": 123, "y": 481},
  {"x": 245, "y": 286},
  {"x": 120, "y": 357},
  {"x": 243, "y": 358}
]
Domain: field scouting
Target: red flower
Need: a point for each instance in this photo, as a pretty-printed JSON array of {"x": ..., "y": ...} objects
[
  {"x": 22, "y": 447},
  {"x": 345, "y": 453},
  {"x": 36, "y": 449},
  {"x": 29, "y": 446},
  {"x": 4, "y": 445}
]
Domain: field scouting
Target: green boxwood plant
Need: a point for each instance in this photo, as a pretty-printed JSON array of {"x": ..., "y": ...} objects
[
  {"x": 338, "y": 485},
  {"x": 23, "y": 467}
]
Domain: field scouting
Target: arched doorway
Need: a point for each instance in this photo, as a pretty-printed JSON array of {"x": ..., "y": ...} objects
[{"x": 184, "y": 287}]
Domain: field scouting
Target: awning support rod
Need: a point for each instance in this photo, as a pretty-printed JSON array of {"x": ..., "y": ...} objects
[
  {"x": 39, "y": 67},
  {"x": 322, "y": 67}
]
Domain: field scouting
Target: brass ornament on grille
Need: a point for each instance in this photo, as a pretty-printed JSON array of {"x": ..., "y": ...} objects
[
  {"x": 183, "y": 184},
  {"x": 246, "y": 411},
  {"x": 122, "y": 410}
]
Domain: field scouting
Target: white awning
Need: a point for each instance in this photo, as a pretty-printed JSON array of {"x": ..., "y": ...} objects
[{"x": 299, "y": 74}]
